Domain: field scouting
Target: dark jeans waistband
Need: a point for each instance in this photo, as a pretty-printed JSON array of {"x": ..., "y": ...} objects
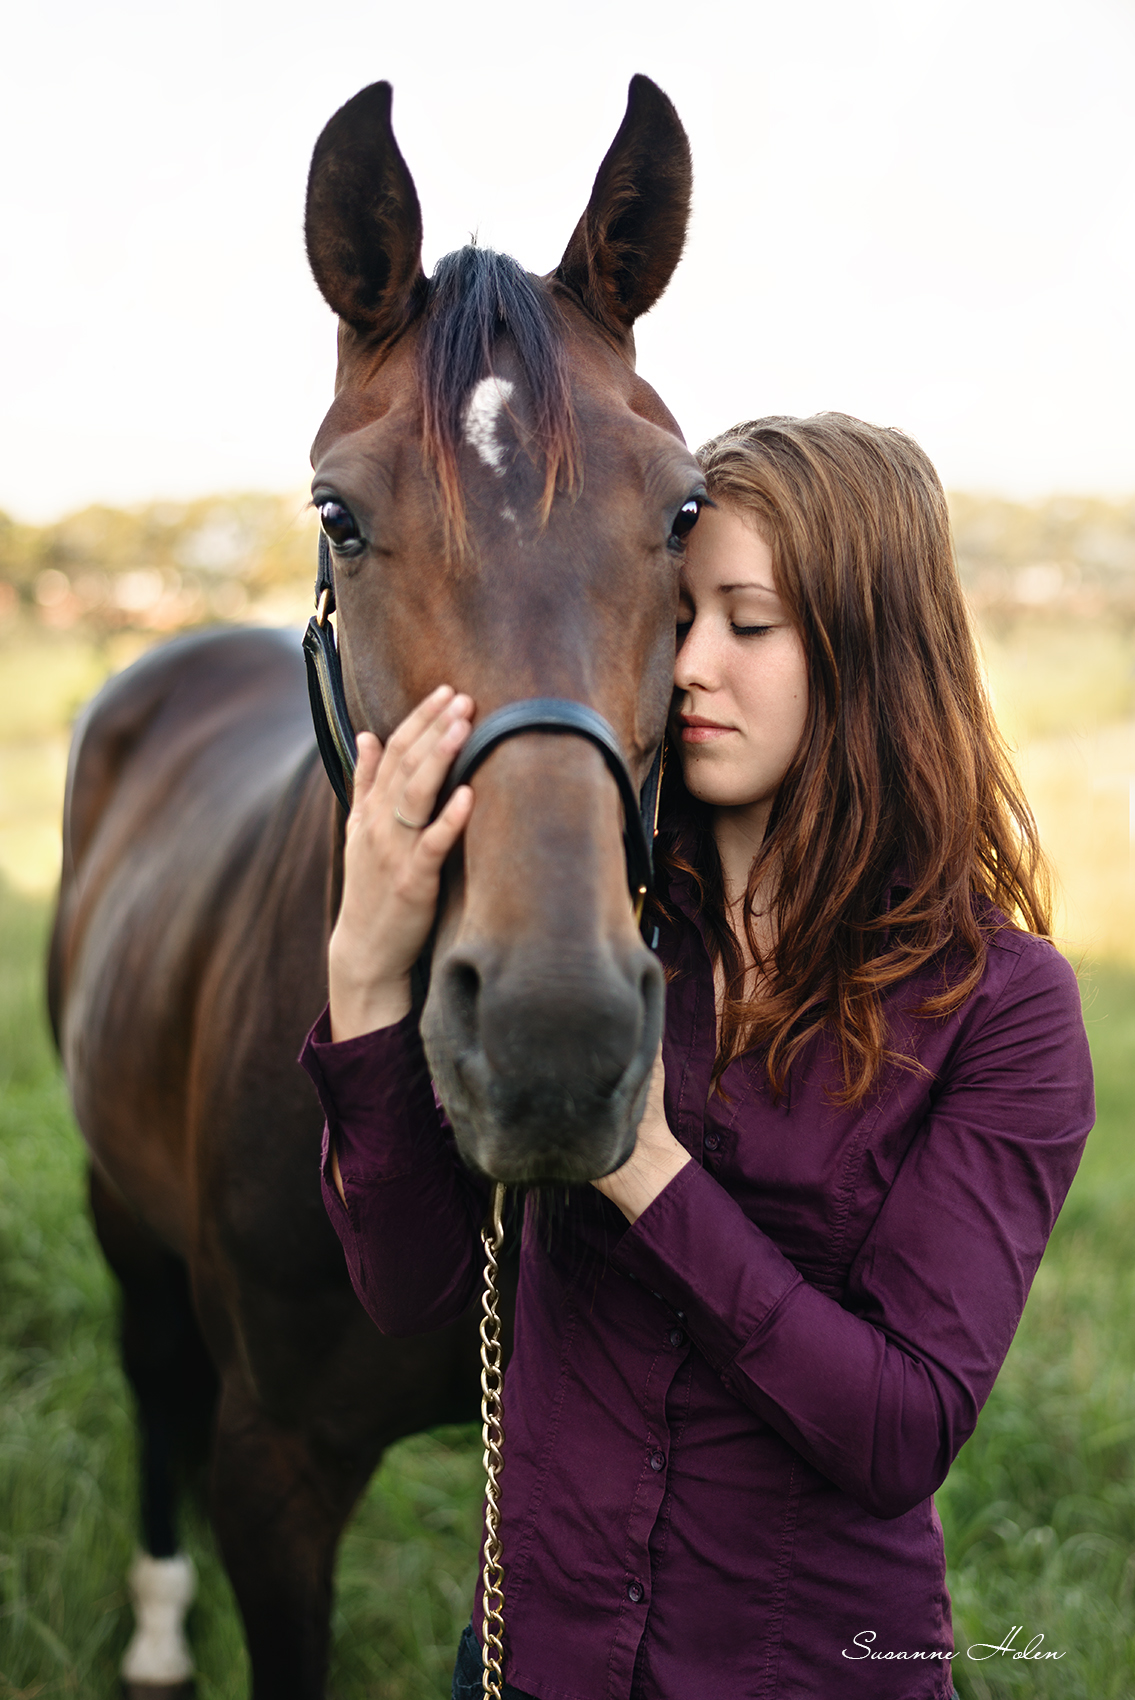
[{"x": 469, "y": 1670}]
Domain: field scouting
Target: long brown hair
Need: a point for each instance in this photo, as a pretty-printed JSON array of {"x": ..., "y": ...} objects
[{"x": 902, "y": 784}]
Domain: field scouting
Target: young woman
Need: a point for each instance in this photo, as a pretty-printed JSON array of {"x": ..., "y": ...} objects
[{"x": 746, "y": 1360}]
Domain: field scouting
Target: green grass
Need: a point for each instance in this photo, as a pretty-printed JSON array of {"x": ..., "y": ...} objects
[{"x": 1039, "y": 1510}]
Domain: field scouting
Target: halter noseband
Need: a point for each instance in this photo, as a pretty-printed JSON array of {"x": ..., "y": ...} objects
[{"x": 336, "y": 739}]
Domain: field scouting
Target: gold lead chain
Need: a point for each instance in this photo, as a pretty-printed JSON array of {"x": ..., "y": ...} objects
[{"x": 492, "y": 1382}]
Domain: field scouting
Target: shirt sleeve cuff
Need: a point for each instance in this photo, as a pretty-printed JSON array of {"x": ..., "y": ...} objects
[
  {"x": 377, "y": 1097},
  {"x": 698, "y": 1251}
]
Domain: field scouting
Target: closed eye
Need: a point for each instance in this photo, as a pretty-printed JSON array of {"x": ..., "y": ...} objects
[{"x": 749, "y": 631}]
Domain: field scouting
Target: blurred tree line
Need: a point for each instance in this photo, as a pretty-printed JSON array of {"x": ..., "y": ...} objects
[
  {"x": 171, "y": 565},
  {"x": 162, "y": 567},
  {"x": 1068, "y": 554}
]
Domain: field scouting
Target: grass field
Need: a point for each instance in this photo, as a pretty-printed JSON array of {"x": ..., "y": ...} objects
[{"x": 1039, "y": 1510}]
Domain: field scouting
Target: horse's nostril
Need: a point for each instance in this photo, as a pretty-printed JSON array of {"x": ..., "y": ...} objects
[{"x": 464, "y": 991}]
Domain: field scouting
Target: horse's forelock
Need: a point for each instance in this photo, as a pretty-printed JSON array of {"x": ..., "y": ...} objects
[{"x": 475, "y": 298}]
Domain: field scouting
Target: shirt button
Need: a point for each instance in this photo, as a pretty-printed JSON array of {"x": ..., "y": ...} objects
[
  {"x": 634, "y": 1592},
  {"x": 658, "y": 1460},
  {"x": 676, "y": 1337},
  {"x": 712, "y": 1141}
]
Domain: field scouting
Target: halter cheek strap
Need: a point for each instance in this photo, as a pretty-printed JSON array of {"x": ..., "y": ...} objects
[
  {"x": 337, "y": 746},
  {"x": 333, "y": 730}
]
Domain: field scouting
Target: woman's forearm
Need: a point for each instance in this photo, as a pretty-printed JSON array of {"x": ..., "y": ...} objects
[{"x": 402, "y": 1203}]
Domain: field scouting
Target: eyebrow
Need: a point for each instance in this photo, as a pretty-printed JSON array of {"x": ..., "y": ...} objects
[{"x": 764, "y": 589}]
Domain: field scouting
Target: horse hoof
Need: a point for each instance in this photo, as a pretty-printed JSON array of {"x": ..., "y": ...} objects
[{"x": 159, "y": 1690}]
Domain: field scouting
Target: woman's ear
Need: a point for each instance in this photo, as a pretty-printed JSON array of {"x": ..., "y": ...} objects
[{"x": 625, "y": 247}]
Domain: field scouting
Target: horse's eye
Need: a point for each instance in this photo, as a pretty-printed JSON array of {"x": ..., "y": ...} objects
[
  {"x": 685, "y": 520},
  {"x": 339, "y": 524}
]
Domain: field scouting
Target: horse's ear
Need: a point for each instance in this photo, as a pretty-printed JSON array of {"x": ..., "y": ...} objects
[
  {"x": 625, "y": 247},
  {"x": 363, "y": 223}
]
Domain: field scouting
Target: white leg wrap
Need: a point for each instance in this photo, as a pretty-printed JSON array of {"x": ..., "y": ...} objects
[{"x": 162, "y": 1590}]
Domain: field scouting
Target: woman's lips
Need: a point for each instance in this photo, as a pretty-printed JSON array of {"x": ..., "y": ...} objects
[{"x": 695, "y": 730}]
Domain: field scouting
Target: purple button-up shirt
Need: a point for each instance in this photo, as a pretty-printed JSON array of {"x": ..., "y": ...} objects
[{"x": 724, "y": 1424}]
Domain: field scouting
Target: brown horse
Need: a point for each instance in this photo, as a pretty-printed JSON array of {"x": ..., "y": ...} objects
[{"x": 504, "y": 500}]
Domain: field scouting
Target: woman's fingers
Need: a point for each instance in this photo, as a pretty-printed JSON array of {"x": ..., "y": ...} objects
[
  {"x": 420, "y": 731},
  {"x": 418, "y": 720},
  {"x": 439, "y": 838},
  {"x": 393, "y": 861},
  {"x": 381, "y": 774},
  {"x": 656, "y": 1095},
  {"x": 366, "y": 768},
  {"x": 394, "y": 852},
  {"x": 425, "y": 765},
  {"x": 426, "y": 733}
]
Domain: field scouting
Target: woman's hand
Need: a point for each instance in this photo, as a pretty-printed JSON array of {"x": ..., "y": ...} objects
[
  {"x": 655, "y": 1160},
  {"x": 392, "y": 869}
]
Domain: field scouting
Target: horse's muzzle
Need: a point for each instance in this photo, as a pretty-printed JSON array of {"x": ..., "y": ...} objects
[{"x": 543, "y": 1064}]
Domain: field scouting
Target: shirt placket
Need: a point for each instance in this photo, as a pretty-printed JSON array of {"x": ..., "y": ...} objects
[
  {"x": 643, "y": 1551},
  {"x": 648, "y": 1498}
]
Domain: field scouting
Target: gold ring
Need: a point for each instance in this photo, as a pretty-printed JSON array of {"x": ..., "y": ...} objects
[{"x": 412, "y": 824}]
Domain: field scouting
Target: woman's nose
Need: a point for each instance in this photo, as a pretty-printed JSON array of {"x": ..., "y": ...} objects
[{"x": 694, "y": 666}]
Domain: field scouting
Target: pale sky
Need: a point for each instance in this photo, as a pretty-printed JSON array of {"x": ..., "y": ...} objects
[{"x": 918, "y": 211}]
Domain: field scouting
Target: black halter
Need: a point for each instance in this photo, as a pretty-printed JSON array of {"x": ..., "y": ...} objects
[{"x": 336, "y": 738}]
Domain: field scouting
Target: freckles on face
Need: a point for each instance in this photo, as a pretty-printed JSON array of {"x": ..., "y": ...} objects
[{"x": 740, "y": 671}]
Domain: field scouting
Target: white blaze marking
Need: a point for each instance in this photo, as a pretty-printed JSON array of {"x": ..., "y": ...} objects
[
  {"x": 162, "y": 1590},
  {"x": 482, "y": 416}
]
